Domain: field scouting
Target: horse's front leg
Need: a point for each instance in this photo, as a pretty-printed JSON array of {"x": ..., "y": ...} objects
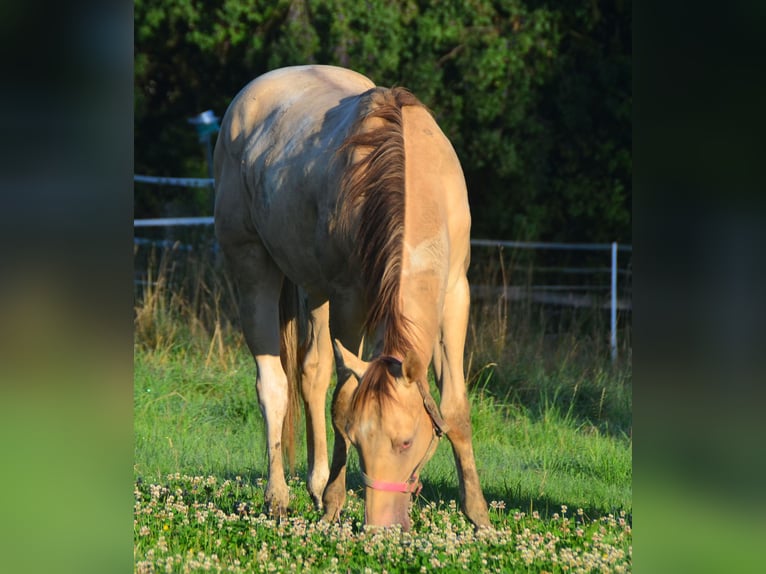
[
  {"x": 455, "y": 408},
  {"x": 317, "y": 370},
  {"x": 345, "y": 319},
  {"x": 335, "y": 493}
]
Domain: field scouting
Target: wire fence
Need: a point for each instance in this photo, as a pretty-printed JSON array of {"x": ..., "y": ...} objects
[{"x": 570, "y": 288}]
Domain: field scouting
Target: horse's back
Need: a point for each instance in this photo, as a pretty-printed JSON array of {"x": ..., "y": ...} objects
[
  {"x": 276, "y": 162},
  {"x": 297, "y": 94}
]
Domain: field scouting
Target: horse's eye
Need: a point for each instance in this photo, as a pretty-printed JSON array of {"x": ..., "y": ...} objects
[{"x": 406, "y": 444}]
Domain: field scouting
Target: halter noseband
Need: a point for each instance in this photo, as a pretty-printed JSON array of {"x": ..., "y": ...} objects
[{"x": 412, "y": 485}]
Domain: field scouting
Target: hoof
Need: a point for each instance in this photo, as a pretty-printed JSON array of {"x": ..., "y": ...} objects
[
  {"x": 478, "y": 515},
  {"x": 483, "y": 527},
  {"x": 333, "y": 499},
  {"x": 276, "y": 503},
  {"x": 316, "y": 499},
  {"x": 331, "y": 515},
  {"x": 316, "y": 485},
  {"x": 276, "y": 510}
]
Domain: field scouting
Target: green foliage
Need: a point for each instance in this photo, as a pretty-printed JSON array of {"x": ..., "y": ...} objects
[{"x": 535, "y": 97}]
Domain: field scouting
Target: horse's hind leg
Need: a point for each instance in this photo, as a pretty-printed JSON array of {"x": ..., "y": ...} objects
[
  {"x": 260, "y": 281},
  {"x": 317, "y": 370},
  {"x": 448, "y": 365}
]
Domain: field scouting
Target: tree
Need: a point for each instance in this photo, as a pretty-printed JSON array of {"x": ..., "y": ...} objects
[{"x": 535, "y": 98}]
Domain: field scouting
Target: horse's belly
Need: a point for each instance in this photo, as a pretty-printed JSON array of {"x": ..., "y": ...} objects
[{"x": 296, "y": 229}]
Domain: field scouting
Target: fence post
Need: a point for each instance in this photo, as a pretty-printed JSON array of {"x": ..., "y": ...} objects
[
  {"x": 613, "y": 318},
  {"x": 206, "y": 124}
]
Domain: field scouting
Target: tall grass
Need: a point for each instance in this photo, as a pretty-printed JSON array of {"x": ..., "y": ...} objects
[
  {"x": 546, "y": 357},
  {"x": 186, "y": 303},
  {"x": 519, "y": 353},
  {"x": 200, "y": 419}
]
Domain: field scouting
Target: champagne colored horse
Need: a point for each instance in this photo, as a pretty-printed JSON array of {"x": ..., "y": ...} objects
[{"x": 342, "y": 211}]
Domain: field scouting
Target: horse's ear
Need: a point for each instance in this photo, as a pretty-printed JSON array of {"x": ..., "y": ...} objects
[{"x": 345, "y": 359}]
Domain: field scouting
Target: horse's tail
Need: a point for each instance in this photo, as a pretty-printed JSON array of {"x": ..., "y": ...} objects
[{"x": 290, "y": 353}]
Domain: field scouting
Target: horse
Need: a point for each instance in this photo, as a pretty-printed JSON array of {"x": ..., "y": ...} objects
[{"x": 342, "y": 212}]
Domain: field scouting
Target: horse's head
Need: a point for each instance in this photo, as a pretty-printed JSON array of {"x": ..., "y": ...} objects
[{"x": 395, "y": 425}]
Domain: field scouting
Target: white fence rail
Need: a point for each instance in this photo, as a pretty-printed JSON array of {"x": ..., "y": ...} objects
[
  {"x": 547, "y": 294},
  {"x": 176, "y": 181},
  {"x": 172, "y": 221}
]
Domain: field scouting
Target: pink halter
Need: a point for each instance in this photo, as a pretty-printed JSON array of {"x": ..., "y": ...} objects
[{"x": 412, "y": 485}]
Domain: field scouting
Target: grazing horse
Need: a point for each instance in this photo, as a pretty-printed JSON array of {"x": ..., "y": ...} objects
[{"x": 342, "y": 212}]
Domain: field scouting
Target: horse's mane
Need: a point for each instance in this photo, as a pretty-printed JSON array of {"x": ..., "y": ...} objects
[
  {"x": 377, "y": 384},
  {"x": 373, "y": 189}
]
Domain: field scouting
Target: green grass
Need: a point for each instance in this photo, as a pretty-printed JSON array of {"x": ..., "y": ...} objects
[
  {"x": 202, "y": 523},
  {"x": 552, "y": 423},
  {"x": 199, "y": 447}
]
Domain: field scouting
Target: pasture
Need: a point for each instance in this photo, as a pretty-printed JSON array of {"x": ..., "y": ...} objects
[{"x": 552, "y": 429}]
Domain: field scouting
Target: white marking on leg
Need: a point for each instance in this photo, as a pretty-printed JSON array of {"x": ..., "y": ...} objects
[{"x": 272, "y": 396}]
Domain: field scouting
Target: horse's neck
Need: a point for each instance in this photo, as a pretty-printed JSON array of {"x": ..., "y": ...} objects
[
  {"x": 424, "y": 275},
  {"x": 436, "y": 226}
]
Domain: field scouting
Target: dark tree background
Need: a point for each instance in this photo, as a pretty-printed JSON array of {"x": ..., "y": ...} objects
[{"x": 535, "y": 96}]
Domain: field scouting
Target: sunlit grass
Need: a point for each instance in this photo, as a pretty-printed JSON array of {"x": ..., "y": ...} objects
[
  {"x": 202, "y": 523},
  {"x": 199, "y": 432},
  {"x": 552, "y": 433}
]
